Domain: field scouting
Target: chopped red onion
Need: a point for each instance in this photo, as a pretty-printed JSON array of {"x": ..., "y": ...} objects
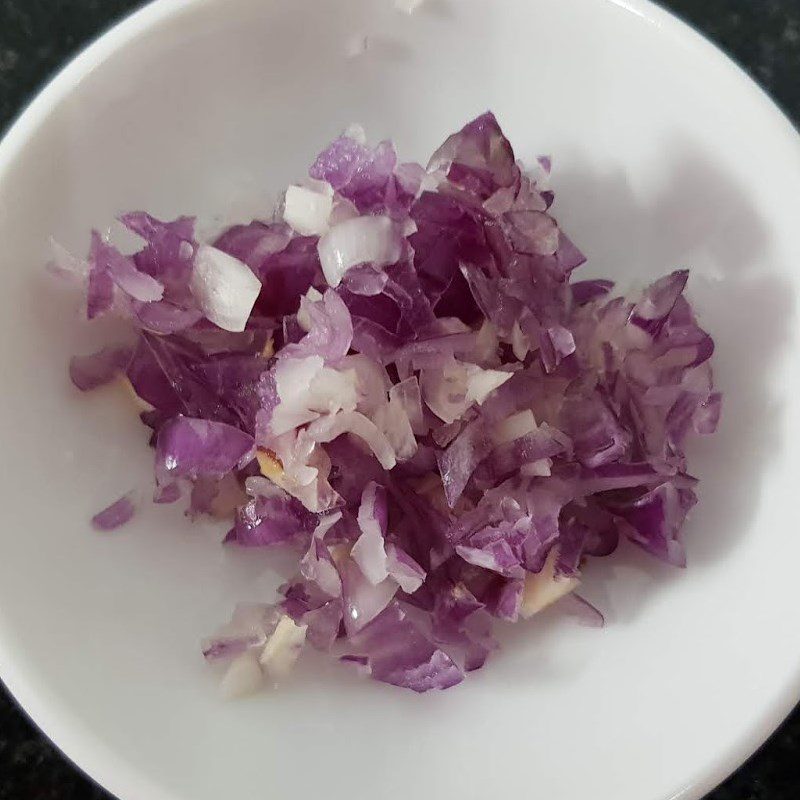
[
  {"x": 400, "y": 383},
  {"x": 95, "y": 370},
  {"x": 582, "y": 610},
  {"x": 116, "y": 515}
]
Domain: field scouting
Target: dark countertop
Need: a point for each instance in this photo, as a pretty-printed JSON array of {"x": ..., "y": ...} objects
[{"x": 37, "y": 36}]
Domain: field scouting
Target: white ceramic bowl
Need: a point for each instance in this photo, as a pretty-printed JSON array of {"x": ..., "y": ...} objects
[{"x": 665, "y": 155}]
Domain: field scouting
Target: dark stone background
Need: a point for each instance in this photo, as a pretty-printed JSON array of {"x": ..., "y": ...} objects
[{"x": 37, "y": 36}]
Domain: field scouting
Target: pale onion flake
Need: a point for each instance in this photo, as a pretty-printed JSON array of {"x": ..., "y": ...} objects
[
  {"x": 369, "y": 551},
  {"x": 225, "y": 289},
  {"x": 519, "y": 342},
  {"x": 363, "y": 240},
  {"x": 356, "y": 132},
  {"x": 328, "y": 428},
  {"x": 482, "y": 382},
  {"x": 308, "y": 389},
  {"x": 243, "y": 676},
  {"x": 514, "y": 427},
  {"x": 65, "y": 264},
  {"x": 308, "y": 210},
  {"x": 451, "y": 389},
  {"x": 537, "y": 469},
  {"x": 303, "y": 317},
  {"x": 283, "y": 648},
  {"x": 392, "y": 419}
]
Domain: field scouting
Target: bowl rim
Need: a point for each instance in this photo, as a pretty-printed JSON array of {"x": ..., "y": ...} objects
[{"x": 80, "y": 745}]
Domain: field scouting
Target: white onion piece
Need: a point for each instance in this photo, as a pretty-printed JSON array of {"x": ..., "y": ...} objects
[
  {"x": 303, "y": 317},
  {"x": 327, "y": 578},
  {"x": 544, "y": 588},
  {"x": 307, "y": 210},
  {"x": 318, "y": 495},
  {"x": 259, "y": 486},
  {"x": 225, "y": 289},
  {"x": 243, "y": 676},
  {"x": 444, "y": 390},
  {"x": 67, "y": 265},
  {"x": 539, "y": 173},
  {"x": 372, "y": 382},
  {"x": 450, "y": 390},
  {"x": 452, "y": 325},
  {"x": 369, "y": 551},
  {"x": 306, "y": 388},
  {"x": 537, "y": 469},
  {"x": 294, "y": 451},
  {"x": 326, "y": 523},
  {"x": 408, "y": 228},
  {"x": 482, "y": 382},
  {"x": 326, "y": 429},
  {"x": 392, "y": 419},
  {"x": 432, "y": 179},
  {"x": 333, "y": 390},
  {"x": 251, "y": 623},
  {"x": 293, "y": 377},
  {"x": 356, "y": 132},
  {"x": 514, "y": 427},
  {"x": 364, "y": 240},
  {"x": 363, "y": 601},
  {"x": 319, "y": 570},
  {"x": 283, "y": 648},
  {"x": 487, "y": 343},
  {"x": 303, "y": 470},
  {"x": 407, "y": 394},
  {"x": 519, "y": 342}
]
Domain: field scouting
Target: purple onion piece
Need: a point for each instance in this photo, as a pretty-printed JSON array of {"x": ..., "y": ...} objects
[{"x": 116, "y": 515}]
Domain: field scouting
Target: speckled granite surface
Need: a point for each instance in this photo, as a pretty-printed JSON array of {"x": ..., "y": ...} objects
[{"x": 37, "y": 36}]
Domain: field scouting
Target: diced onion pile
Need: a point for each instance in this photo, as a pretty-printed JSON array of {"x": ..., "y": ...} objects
[{"x": 397, "y": 378}]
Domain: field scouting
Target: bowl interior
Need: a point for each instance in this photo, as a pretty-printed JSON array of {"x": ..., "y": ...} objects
[{"x": 665, "y": 155}]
